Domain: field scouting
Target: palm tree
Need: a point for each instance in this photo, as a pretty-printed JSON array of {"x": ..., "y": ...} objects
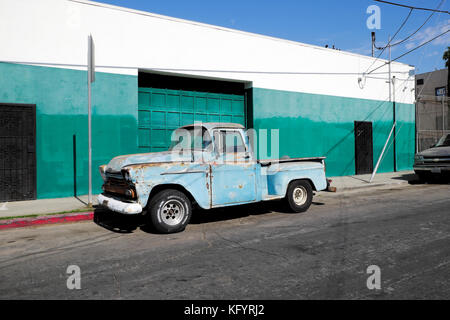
[{"x": 446, "y": 57}]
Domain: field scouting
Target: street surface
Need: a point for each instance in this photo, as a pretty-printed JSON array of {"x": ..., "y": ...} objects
[{"x": 247, "y": 252}]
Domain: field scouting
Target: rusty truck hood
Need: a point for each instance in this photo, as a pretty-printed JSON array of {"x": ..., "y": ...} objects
[{"x": 117, "y": 163}]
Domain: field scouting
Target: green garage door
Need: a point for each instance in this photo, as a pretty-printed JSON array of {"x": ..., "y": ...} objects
[{"x": 162, "y": 110}]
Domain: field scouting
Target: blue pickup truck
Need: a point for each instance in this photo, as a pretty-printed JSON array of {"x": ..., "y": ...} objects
[{"x": 209, "y": 165}]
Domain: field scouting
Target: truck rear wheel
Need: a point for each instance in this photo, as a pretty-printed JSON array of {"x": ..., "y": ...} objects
[
  {"x": 299, "y": 196},
  {"x": 170, "y": 211}
]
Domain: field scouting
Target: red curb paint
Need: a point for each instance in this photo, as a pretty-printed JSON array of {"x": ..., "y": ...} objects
[{"x": 27, "y": 222}]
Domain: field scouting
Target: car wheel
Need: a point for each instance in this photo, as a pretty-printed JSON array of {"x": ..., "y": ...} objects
[
  {"x": 170, "y": 211},
  {"x": 299, "y": 196}
]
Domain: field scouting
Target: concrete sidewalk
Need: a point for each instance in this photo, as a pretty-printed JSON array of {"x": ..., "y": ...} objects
[
  {"x": 351, "y": 183},
  {"x": 71, "y": 204},
  {"x": 45, "y": 206}
]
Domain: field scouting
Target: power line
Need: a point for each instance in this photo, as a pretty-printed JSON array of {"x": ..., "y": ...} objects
[
  {"x": 398, "y": 30},
  {"x": 401, "y": 26},
  {"x": 418, "y": 29},
  {"x": 389, "y": 43},
  {"x": 440, "y": 35},
  {"x": 408, "y": 52},
  {"x": 411, "y": 7}
]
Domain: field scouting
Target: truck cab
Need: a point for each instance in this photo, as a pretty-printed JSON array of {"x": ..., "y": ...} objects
[{"x": 208, "y": 165}]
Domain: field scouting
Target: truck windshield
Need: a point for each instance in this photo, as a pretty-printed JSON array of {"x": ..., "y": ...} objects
[
  {"x": 194, "y": 138},
  {"x": 444, "y": 141}
]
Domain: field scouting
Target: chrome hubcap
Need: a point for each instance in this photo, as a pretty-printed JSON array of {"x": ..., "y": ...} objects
[
  {"x": 300, "y": 195},
  {"x": 172, "y": 212}
]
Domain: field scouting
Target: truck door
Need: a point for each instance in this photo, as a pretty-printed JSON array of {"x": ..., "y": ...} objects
[{"x": 233, "y": 176}]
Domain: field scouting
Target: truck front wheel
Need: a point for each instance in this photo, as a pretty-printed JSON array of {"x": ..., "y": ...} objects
[
  {"x": 299, "y": 196},
  {"x": 170, "y": 211}
]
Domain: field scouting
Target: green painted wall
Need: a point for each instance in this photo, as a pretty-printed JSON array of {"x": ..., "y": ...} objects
[
  {"x": 60, "y": 96},
  {"x": 310, "y": 125},
  {"x": 405, "y": 135},
  {"x": 319, "y": 125}
]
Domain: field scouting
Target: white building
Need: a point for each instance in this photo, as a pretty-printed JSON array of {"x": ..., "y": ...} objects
[{"x": 155, "y": 73}]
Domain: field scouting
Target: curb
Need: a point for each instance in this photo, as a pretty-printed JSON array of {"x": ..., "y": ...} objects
[
  {"x": 43, "y": 220},
  {"x": 370, "y": 186}
]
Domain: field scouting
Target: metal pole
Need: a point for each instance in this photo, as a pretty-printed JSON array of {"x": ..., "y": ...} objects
[
  {"x": 393, "y": 126},
  {"x": 443, "y": 116},
  {"x": 390, "y": 99},
  {"x": 89, "y": 121},
  {"x": 382, "y": 153},
  {"x": 395, "y": 120},
  {"x": 417, "y": 124},
  {"x": 373, "y": 42}
]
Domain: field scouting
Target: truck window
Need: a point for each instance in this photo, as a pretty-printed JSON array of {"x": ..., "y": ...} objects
[
  {"x": 191, "y": 139},
  {"x": 229, "y": 141},
  {"x": 444, "y": 141}
]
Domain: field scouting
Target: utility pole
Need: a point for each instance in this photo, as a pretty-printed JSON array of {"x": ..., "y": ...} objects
[
  {"x": 391, "y": 81},
  {"x": 395, "y": 122},
  {"x": 90, "y": 79},
  {"x": 389, "y": 65},
  {"x": 373, "y": 43}
]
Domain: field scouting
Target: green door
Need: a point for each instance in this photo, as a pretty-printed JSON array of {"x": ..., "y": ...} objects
[{"x": 162, "y": 110}]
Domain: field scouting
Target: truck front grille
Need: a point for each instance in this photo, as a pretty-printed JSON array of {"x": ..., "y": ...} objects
[{"x": 119, "y": 187}]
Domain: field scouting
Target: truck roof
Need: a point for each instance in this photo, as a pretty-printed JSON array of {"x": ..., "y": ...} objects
[{"x": 214, "y": 125}]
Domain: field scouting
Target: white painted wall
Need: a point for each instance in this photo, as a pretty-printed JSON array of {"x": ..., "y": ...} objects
[{"x": 55, "y": 31}]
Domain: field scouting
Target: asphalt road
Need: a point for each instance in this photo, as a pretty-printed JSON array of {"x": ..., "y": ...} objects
[{"x": 248, "y": 252}]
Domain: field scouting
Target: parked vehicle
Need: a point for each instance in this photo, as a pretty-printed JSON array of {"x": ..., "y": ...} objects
[
  {"x": 434, "y": 162},
  {"x": 213, "y": 167}
]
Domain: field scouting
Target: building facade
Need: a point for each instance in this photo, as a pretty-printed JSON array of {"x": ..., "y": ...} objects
[
  {"x": 432, "y": 83},
  {"x": 432, "y": 108},
  {"x": 155, "y": 73}
]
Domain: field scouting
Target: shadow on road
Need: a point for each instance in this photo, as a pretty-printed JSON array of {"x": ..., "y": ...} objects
[
  {"x": 413, "y": 179},
  {"x": 121, "y": 223},
  {"x": 116, "y": 222}
]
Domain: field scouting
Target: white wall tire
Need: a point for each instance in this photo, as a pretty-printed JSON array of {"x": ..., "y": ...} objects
[{"x": 299, "y": 196}]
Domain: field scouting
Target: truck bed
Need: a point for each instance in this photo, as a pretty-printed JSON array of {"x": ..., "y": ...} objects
[{"x": 267, "y": 162}]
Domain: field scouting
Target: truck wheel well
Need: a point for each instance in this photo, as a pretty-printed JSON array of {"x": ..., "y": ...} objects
[
  {"x": 178, "y": 187},
  {"x": 305, "y": 179}
]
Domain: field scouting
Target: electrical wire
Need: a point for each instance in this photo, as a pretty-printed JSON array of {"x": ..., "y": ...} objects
[
  {"x": 408, "y": 52},
  {"x": 411, "y": 7},
  {"x": 398, "y": 30},
  {"x": 404, "y": 22},
  {"x": 412, "y": 34}
]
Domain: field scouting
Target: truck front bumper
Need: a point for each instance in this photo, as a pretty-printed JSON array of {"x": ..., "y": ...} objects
[
  {"x": 119, "y": 206},
  {"x": 432, "y": 168}
]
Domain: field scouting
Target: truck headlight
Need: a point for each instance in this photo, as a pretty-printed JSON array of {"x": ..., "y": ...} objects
[
  {"x": 102, "y": 171},
  {"x": 126, "y": 175},
  {"x": 418, "y": 158}
]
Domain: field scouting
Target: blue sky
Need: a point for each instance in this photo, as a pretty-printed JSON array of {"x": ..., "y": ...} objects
[{"x": 319, "y": 22}]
